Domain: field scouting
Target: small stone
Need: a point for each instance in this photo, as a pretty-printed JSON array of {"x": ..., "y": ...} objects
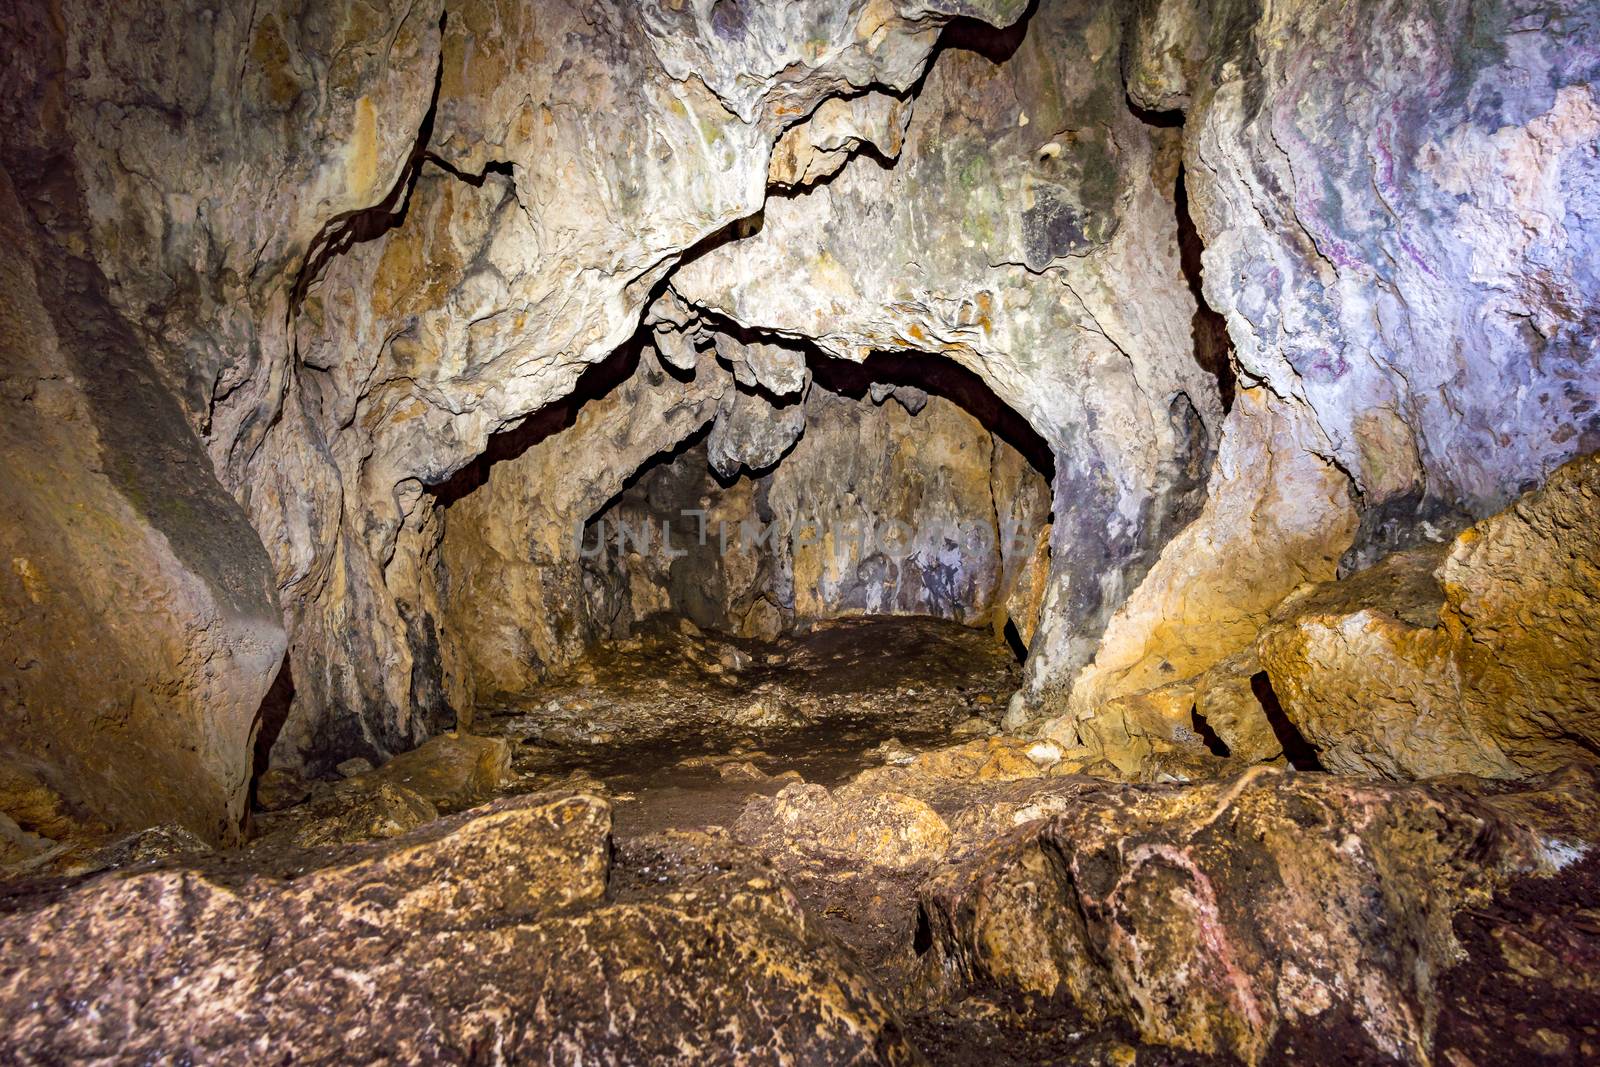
[
  {"x": 1044, "y": 753},
  {"x": 1121, "y": 1055},
  {"x": 742, "y": 771},
  {"x": 452, "y": 770},
  {"x": 894, "y": 752},
  {"x": 1017, "y": 713},
  {"x": 354, "y": 766},
  {"x": 279, "y": 788}
]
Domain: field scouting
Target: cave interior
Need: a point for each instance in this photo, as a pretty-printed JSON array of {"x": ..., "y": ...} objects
[{"x": 831, "y": 531}]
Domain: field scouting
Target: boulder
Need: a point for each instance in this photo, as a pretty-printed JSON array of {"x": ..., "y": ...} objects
[
  {"x": 883, "y": 830},
  {"x": 452, "y": 771},
  {"x": 1472, "y": 657},
  {"x": 352, "y": 815}
]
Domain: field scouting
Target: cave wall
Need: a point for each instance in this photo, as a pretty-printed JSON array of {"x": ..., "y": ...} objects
[
  {"x": 877, "y": 509},
  {"x": 515, "y": 589},
  {"x": 1396, "y": 202},
  {"x": 138, "y": 617},
  {"x": 1027, "y": 230},
  {"x": 249, "y": 174},
  {"x": 331, "y": 253}
]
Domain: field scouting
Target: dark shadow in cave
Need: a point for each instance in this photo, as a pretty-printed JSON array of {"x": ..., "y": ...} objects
[
  {"x": 1213, "y": 348},
  {"x": 662, "y": 459},
  {"x": 940, "y": 377},
  {"x": 1014, "y": 641},
  {"x": 974, "y": 35},
  {"x": 922, "y": 936},
  {"x": 1208, "y": 330},
  {"x": 1214, "y": 744},
  {"x": 274, "y": 712},
  {"x": 1300, "y": 753},
  {"x": 554, "y": 417}
]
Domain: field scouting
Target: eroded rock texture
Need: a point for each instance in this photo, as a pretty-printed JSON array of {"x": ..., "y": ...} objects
[
  {"x": 507, "y": 933},
  {"x": 1245, "y": 918},
  {"x": 1027, "y": 231},
  {"x": 1475, "y": 657},
  {"x": 575, "y": 154},
  {"x": 244, "y": 173},
  {"x": 1395, "y": 201},
  {"x": 137, "y": 613},
  {"x": 358, "y": 314}
]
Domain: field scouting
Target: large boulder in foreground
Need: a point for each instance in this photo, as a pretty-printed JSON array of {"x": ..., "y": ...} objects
[
  {"x": 1475, "y": 657},
  {"x": 504, "y": 934},
  {"x": 1246, "y": 916}
]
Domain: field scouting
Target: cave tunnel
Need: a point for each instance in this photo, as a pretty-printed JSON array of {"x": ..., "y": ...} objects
[
  {"x": 800, "y": 532},
  {"x": 802, "y": 552}
]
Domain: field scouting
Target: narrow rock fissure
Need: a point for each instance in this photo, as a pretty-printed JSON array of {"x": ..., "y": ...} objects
[{"x": 1300, "y": 753}]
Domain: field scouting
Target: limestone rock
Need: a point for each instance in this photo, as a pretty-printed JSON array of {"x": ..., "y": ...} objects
[
  {"x": 355, "y": 765},
  {"x": 243, "y": 174},
  {"x": 885, "y": 830},
  {"x": 452, "y": 770},
  {"x": 1228, "y": 699},
  {"x": 1232, "y": 917},
  {"x": 1407, "y": 265},
  {"x": 779, "y": 370},
  {"x": 349, "y": 816},
  {"x": 1276, "y": 515},
  {"x": 278, "y": 788},
  {"x": 752, "y": 434},
  {"x": 492, "y": 930},
  {"x": 818, "y": 147},
  {"x": 505, "y": 548},
  {"x": 1026, "y": 232},
  {"x": 137, "y": 613},
  {"x": 1473, "y": 657}
]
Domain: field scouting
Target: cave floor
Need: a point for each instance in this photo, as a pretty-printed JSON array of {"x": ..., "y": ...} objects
[
  {"x": 682, "y": 727},
  {"x": 843, "y": 782}
]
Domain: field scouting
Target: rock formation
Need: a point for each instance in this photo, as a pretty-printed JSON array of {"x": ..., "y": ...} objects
[{"x": 1193, "y": 404}]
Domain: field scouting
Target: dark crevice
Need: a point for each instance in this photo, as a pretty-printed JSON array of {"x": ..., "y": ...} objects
[
  {"x": 270, "y": 718},
  {"x": 1014, "y": 641},
  {"x": 502, "y": 167},
  {"x": 1214, "y": 744},
  {"x": 974, "y": 35},
  {"x": 737, "y": 230},
  {"x": 1165, "y": 120},
  {"x": 342, "y": 232},
  {"x": 863, "y": 150},
  {"x": 922, "y": 937},
  {"x": 1301, "y": 754},
  {"x": 662, "y": 459},
  {"x": 937, "y": 376},
  {"x": 1213, "y": 348},
  {"x": 554, "y": 417}
]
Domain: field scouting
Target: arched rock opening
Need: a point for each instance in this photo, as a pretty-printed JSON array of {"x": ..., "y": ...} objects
[{"x": 752, "y": 492}]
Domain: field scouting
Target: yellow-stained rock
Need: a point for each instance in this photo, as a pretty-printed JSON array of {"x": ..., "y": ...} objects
[
  {"x": 886, "y": 830},
  {"x": 1277, "y": 515},
  {"x": 452, "y": 770},
  {"x": 1476, "y": 657}
]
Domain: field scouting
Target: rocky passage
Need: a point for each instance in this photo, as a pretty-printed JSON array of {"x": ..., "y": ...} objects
[
  {"x": 659, "y": 885},
  {"x": 643, "y": 531}
]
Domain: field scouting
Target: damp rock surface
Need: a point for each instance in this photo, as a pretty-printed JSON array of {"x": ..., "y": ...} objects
[{"x": 509, "y": 929}]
